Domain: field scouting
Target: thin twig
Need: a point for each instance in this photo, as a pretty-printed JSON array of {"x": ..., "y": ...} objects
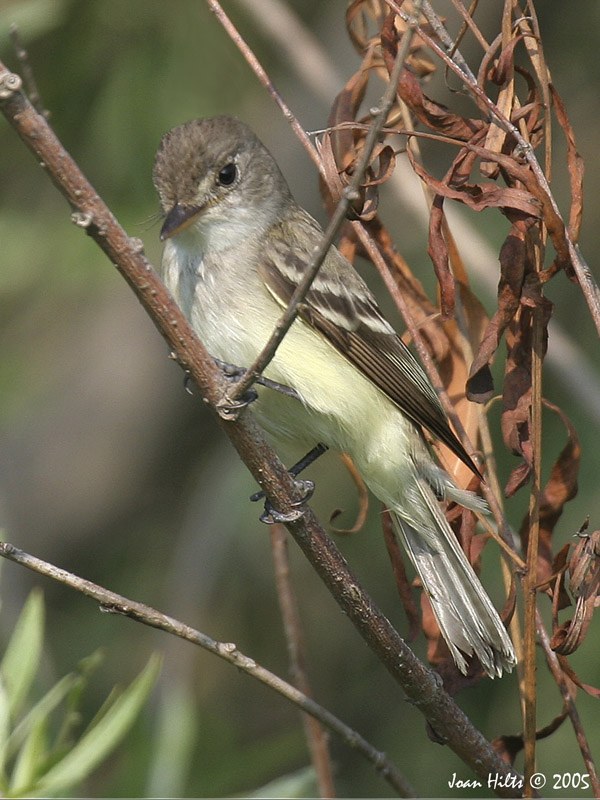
[
  {"x": 304, "y": 54},
  {"x": 569, "y": 702},
  {"x": 440, "y": 30},
  {"x": 421, "y": 686},
  {"x": 587, "y": 282},
  {"x": 117, "y": 604},
  {"x": 261, "y": 74},
  {"x": 430, "y": 367},
  {"x": 530, "y": 577},
  {"x": 27, "y": 72},
  {"x": 350, "y": 193},
  {"x": 315, "y": 736},
  {"x": 468, "y": 22}
]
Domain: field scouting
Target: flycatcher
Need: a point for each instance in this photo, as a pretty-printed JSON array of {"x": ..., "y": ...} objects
[{"x": 237, "y": 245}]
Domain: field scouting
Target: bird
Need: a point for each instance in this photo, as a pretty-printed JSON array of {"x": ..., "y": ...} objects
[{"x": 236, "y": 244}]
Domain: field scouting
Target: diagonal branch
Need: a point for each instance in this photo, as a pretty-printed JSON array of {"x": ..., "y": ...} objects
[
  {"x": 349, "y": 194},
  {"x": 587, "y": 282},
  {"x": 569, "y": 701},
  {"x": 422, "y": 686},
  {"x": 117, "y": 604}
]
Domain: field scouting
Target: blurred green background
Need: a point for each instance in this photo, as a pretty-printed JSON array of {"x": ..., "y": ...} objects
[{"x": 110, "y": 469}]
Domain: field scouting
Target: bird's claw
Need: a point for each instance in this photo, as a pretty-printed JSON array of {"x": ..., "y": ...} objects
[
  {"x": 231, "y": 409},
  {"x": 271, "y": 515}
]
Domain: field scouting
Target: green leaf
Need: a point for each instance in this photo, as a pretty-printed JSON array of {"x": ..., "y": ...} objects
[
  {"x": 301, "y": 783},
  {"x": 97, "y": 743},
  {"x": 30, "y": 760},
  {"x": 4, "y": 735},
  {"x": 72, "y": 718},
  {"x": 43, "y": 708},
  {"x": 176, "y": 742},
  {"x": 22, "y": 656}
]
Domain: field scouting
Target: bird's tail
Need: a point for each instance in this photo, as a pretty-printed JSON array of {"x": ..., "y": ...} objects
[{"x": 468, "y": 621}]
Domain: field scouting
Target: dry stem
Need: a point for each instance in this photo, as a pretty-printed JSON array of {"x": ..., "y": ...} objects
[
  {"x": 421, "y": 685},
  {"x": 315, "y": 736}
]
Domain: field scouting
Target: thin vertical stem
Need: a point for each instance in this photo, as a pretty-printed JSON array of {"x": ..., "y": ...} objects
[
  {"x": 530, "y": 578},
  {"x": 315, "y": 735}
]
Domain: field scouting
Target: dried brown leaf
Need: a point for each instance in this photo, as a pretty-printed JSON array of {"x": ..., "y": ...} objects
[
  {"x": 560, "y": 488},
  {"x": 480, "y": 387},
  {"x": 593, "y": 691},
  {"x": 509, "y": 746},
  {"x": 341, "y": 147},
  {"x": 422, "y": 310},
  {"x": 454, "y": 372},
  {"x": 560, "y": 596},
  {"x": 438, "y": 252},
  {"x": 435, "y": 115},
  {"x": 584, "y": 568},
  {"x": 479, "y": 196},
  {"x": 516, "y": 395},
  {"x": 574, "y": 165}
]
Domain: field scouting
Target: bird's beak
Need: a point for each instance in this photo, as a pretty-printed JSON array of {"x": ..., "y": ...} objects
[{"x": 178, "y": 218}]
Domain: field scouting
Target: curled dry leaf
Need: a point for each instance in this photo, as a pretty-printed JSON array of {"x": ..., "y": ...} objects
[
  {"x": 454, "y": 371},
  {"x": 584, "y": 584},
  {"x": 509, "y": 746},
  {"x": 424, "y": 313},
  {"x": 437, "y": 250},
  {"x": 480, "y": 387},
  {"x": 593, "y": 691},
  {"x": 575, "y": 168},
  {"x": 435, "y": 115},
  {"x": 555, "y": 585},
  {"x": 559, "y": 489},
  {"x": 516, "y": 396},
  {"x": 365, "y": 20},
  {"x": 342, "y": 145}
]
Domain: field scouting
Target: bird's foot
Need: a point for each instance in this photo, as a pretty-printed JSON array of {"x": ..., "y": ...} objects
[{"x": 271, "y": 515}]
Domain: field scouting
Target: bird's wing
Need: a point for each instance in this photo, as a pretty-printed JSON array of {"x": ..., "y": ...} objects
[{"x": 341, "y": 308}]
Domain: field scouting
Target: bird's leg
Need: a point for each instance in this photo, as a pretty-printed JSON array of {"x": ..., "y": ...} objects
[
  {"x": 230, "y": 410},
  {"x": 270, "y": 514}
]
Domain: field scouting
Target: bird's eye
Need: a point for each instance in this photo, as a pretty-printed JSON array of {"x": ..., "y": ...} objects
[{"x": 227, "y": 175}]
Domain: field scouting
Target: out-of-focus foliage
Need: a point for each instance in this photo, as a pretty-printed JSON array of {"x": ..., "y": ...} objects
[
  {"x": 109, "y": 468},
  {"x": 44, "y": 747}
]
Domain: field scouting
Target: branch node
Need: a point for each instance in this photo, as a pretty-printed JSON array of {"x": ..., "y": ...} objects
[
  {"x": 351, "y": 193},
  {"x": 136, "y": 244},
  {"x": 10, "y": 84},
  {"x": 83, "y": 219},
  {"x": 114, "y": 608}
]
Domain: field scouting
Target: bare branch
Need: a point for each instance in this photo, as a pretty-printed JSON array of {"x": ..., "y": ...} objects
[
  {"x": 349, "y": 194},
  {"x": 28, "y": 76},
  {"x": 569, "y": 702},
  {"x": 589, "y": 287},
  {"x": 315, "y": 736},
  {"x": 117, "y": 604},
  {"x": 422, "y": 686},
  {"x": 262, "y": 76}
]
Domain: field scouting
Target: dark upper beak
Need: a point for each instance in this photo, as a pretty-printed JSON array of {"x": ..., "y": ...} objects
[{"x": 178, "y": 218}]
